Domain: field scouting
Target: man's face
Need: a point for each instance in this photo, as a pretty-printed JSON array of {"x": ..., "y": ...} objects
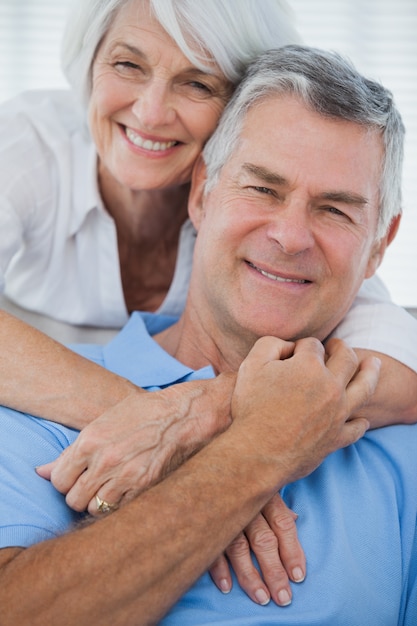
[{"x": 288, "y": 234}]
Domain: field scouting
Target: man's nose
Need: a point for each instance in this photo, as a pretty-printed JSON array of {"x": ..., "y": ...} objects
[
  {"x": 154, "y": 105},
  {"x": 291, "y": 228}
]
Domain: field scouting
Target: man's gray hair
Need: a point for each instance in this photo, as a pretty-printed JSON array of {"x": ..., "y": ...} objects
[{"x": 329, "y": 85}]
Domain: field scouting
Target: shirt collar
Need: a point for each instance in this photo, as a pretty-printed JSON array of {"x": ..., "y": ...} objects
[
  {"x": 86, "y": 194},
  {"x": 135, "y": 355}
]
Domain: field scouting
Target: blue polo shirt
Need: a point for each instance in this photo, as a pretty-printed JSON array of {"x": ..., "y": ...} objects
[{"x": 357, "y": 511}]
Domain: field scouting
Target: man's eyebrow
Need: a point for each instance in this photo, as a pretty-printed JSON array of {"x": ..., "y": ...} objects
[
  {"x": 265, "y": 174},
  {"x": 345, "y": 197}
]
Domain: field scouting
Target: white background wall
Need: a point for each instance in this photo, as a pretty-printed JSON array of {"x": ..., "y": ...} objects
[{"x": 380, "y": 36}]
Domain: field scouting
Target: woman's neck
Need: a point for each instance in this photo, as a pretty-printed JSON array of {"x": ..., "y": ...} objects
[
  {"x": 144, "y": 215},
  {"x": 148, "y": 226}
]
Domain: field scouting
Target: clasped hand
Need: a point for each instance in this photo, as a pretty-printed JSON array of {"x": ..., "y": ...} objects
[{"x": 121, "y": 453}]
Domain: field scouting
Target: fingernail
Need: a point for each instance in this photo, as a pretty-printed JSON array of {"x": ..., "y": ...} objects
[
  {"x": 262, "y": 597},
  {"x": 284, "y": 597},
  {"x": 224, "y": 585},
  {"x": 298, "y": 575}
]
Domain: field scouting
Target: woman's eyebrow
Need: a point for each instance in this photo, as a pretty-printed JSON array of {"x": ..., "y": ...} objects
[
  {"x": 129, "y": 48},
  {"x": 191, "y": 69}
]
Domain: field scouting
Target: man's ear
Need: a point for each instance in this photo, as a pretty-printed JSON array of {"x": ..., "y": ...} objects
[
  {"x": 379, "y": 248},
  {"x": 195, "y": 200}
]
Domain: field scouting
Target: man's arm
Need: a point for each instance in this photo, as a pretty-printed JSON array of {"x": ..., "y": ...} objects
[{"x": 131, "y": 566}]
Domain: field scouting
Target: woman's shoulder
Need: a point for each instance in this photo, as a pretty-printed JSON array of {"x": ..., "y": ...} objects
[
  {"x": 49, "y": 113},
  {"x": 41, "y": 141}
]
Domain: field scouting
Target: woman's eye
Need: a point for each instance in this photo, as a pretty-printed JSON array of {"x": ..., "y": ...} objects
[
  {"x": 127, "y": 65},
  {"x": 200, "y": 87}
]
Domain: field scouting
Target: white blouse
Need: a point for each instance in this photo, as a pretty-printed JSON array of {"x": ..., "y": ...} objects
[{"x": 58, "y": 245}]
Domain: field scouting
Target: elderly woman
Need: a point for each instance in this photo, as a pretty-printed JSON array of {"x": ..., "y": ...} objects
[{"x": 96, "y": 221}]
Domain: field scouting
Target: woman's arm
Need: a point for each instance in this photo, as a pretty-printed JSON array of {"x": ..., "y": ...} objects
[
  {"x": 395, "y": 400},
  {"x": 126, "y": 569},
  {"x": 375, "y": 325},
  {"x": 40, "y": 376}
]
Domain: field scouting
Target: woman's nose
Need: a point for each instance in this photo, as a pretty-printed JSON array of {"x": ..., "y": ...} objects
[{"x": 154, "y": 105}]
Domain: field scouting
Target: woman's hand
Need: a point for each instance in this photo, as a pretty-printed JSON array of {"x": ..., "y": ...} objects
[
  {"x": 272, "y": 536},
  {"x": 138, "y": 441}
]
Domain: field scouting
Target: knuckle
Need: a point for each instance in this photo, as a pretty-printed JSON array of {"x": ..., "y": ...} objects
[
  {"x": 109, "y": 459},
  {"x": 85, "y": 444},
  {"x": 74, "y": 503},
  {"x": 59, "y": 482},
  {"x": 238, "y": 547},
  {"x": 284, "y": 523},
  {"x": 265, "y": 541}
]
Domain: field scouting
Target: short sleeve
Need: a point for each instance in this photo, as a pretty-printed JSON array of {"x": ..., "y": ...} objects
[{"x": 374, "y": 322}]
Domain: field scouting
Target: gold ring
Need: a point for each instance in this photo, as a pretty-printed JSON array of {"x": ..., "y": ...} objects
[{"x": 104, "y": 507}]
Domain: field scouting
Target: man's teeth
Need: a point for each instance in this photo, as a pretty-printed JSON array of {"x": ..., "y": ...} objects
[
  {"x": 279, "y": 279},
  {"x": 147, "y": 144}
]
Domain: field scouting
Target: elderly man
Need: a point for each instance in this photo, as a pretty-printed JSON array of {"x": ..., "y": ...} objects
[{"x": 294, "y": 202}]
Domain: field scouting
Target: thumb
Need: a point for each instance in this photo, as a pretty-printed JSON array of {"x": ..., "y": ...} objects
[{"x": 45, "y": 471}]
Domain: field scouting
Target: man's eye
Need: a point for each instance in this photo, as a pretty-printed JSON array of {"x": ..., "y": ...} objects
[
  {"x": 334, "y": 210},
  {"x": 263, "y": 189}
]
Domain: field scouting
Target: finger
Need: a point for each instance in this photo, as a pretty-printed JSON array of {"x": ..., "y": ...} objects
[
  {"x": 107, "y": 468},
  {"x": 220, "y": 574},
  {"x": 363, "y": 384},
  {"x": 270, "y": 349},
  {"x": 67, "y": 469},
  {"x": 282, "y": 521},
  {"x": 81, "y": 493},
  {"x": 103, "y": 507},
  {"x": 248, "y": 576},
  {"x": 111, "y": 492},
  {"x": 44, "y": 471},
  {"x": 264, "y": 544},
  {"x": 82, "y": 496},
  {"x": 341, "y": 360},
  {"x": 353, "y": 430},
  {"x": 309, "y": 346}
]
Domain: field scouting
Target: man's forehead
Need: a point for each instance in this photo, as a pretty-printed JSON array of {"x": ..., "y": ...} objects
[{"x": 281, "y": 143}]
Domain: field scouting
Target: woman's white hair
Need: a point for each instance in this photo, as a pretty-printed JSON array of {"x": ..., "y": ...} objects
[{"x": 232, "y": 32}]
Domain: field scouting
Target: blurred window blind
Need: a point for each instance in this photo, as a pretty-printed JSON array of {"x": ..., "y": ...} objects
[
  {"x": 378, "y": 35},
  {"x": 30, "y": 36}
]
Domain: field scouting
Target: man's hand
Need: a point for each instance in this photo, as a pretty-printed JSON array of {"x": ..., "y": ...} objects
[
  {"x": 312, "y": 421},
  {"x": 136, "y": 443},
  {"x": 272, "y": 537},
  {"x": 314, "y": 416}
]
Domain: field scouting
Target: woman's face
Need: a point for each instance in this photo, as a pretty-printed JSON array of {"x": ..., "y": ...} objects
[{"x": 151, "y": 110}]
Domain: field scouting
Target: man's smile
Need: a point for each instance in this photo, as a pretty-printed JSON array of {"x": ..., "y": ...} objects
[{"x": 276, "y": 277}]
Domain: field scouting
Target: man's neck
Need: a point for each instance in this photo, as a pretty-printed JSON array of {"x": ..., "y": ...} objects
[{"x": 197, "y": 345}]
